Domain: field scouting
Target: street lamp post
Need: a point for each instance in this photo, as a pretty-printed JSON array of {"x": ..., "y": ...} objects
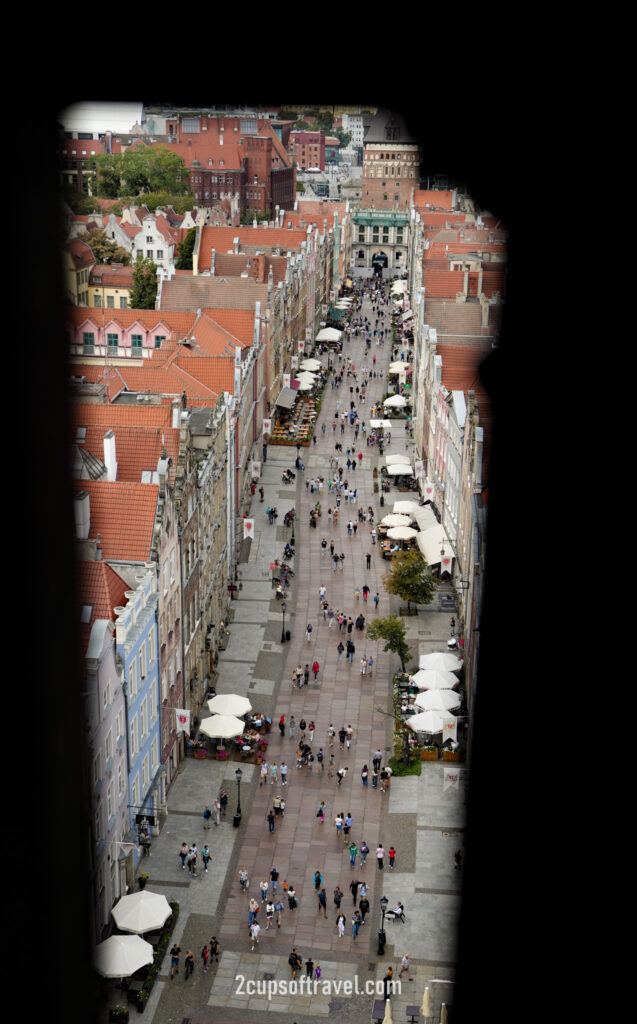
[
  {"x": 237, "y": 817},
  {"x": 381, "y": 935},
  {"x": 283, "y": 608}
]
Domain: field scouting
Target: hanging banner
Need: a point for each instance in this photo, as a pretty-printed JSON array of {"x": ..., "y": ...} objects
[
  {"x": 267, "y": 426},
  {"x": 182, "y": 716},
  {"x": 295, "y": 362},
  {"x": 286, "y": 380},
  {"x": 248, "y": 528},
  {"x": 450, "y": 731},
  {"x": 419, "y": 468},
  {"x": 301, "y": 347},
  {"x": 256, "y": 470},
  {"x": 451, "y": 778}
]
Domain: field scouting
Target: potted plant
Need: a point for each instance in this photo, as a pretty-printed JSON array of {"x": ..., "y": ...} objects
[
  {"x": 118, "y": 1013},
  {"x": 429, "y": 753},
  {"x": 142, "y": 999},
  {"x": 142, "y": 879},
  {"x": 450, "y": 755}
]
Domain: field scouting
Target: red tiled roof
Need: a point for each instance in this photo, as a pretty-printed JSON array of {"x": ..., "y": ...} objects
[
  {"x": 212, "y": 293},
  {"x": 83, "y": 413},
  {"x": 110, "y": 276},
  {"x": 124, "y": 516},
  {"x": 238, "y": 322},
  {"x": 130, "y": 229},
  {"x": 98, "y": 586},
  {"x": 222, "y": 240},
  {"x": 137, "y": 449},
  {"x": 461, "y": 372},
  {"x": 152, "y": 376},
  {"x": 80, "y": 252},
  {"x": 438, "y": 198},
  {"x": 177, "y": 323}
]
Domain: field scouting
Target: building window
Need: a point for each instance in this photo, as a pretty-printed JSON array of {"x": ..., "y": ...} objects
[
  {"x": 133, "y": 737},
  {"x": 158, "y": 340},
  {"x": 88, "y": 341},
  {"x": 149, "y": 239},
  {"x": 142, "y": 662},
  {"x": 149, "y": 254},
  {"x": 110, "y": 301},
  {"x": 160, "y": 252},
  {"x": 108, "y": 746},
  {"x": 97, "y": 768},
  {"x": 140, "y": 253},
  {"x": 136, "y": 341},
  {"x": 113, "y": 342},
  {"x": 97, "y": 300},
  {"x": 361, "y": 234},
  {"x": 132, "y": 679},
  {"x": 123, "y": 302}
]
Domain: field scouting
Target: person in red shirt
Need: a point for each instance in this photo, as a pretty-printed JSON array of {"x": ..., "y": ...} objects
[
  {"x": 315, "y": 669},
  {"x": 391, "y": 853}
]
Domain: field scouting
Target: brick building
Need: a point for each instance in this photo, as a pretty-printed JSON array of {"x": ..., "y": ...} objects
[{"x": 391, "y": 167}]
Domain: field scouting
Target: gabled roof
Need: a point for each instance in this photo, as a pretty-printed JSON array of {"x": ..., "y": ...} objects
[
  {"x": 111, "y": 277},
  {"x": 212, "y": 292},
  {"x": 461, "y": 320},
  {"x": 81, "y": 253},
  {"x": 384, "y": 119},
  {"x": 100, "y": 589},
  {"x": 438, "y": 199},
  {"x": 239, "y": 323},
  {"x": 178, "y": 324},
  {"x": 222, "y": 240},
  {"x": 137, "y": 449},
  {"x": 153, "y": 376},
  {"x": 124, "y": 516}
]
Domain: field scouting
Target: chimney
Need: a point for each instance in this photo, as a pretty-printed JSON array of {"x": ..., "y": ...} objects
[
  {"x": 109, "y": 456},
  {"x": 212, "y": 261},
  {"x": 176, "y": 407},
  {"x": 162, "y": 470},
  {"x": 98, "y": 548},
  {"x": 82, "y": 510},
  {"x": 255, "y": 223},
  {"x": 484, "y": 307},
  {"x": 235, "y": 242}
]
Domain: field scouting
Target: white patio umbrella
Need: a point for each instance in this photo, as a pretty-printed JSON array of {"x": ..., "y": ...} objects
[
  {"x": 443, "y": 1013},
  {"x": 141, "y": 911},
  {"x": 305, "y": 385},
  {"x": 387, "y": 1019},
  {"x": 440, "y": 659},
  {"x": 311, "y": 364},
  {"x": 229, "y": 704},
  {"x": 328, "y": 334},
  {"x": 376, "y": 424},
  {"x": 122, "y": 955},
  {"x": 395, "y": 520},
  {"x": 429, "y": 721},
  {"x": 406, "y": 507},
  {"x": 401, "y": 533},
  {"x": 437, "y": 700},
  {"x": 397, "y": 460},
  {"x": 425, "y": 1006},
  {"x": 400, "y": 366},
  {"x": 396, "y": 401},
  {"x": 434, "y": 679},
  {"x": 222, "y": 727},
  {"x": 400, "y": 469}
]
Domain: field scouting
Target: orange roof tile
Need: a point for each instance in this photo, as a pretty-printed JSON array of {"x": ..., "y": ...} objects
[
  {"x": 177, "y": 323},
  {"x": 99, "y": 587},
  {"x": 239, "y": 323},
  {"x": 152, "y": 376},
  {"x": 438, "y": 198},
  {"x": 222, "y": 240},
  {"x": 124, "y": 516}
]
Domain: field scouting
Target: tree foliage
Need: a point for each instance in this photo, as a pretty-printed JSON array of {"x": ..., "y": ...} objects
[
  {"x": 392, "y": 631},
  {"x": 104, "y": 249},
  {"x": 185, "y": 250},
  {"x": 324, "y": 120},
  {"x": 408, "y": 578},
  {"x": 140, "y": 170},
  {"x": 144, "y": 290},
  {"x": 343, "y": 137}
]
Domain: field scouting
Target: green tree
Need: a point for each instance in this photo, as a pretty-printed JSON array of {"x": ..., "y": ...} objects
[
  {"x": 144, "y": 290},
  {"x": 153, "y": 169},
  {"x": 324, "y": 120},
  {"x": 408, "y": 578},
  {"x": 185, "y": 250},
  {"x": 300, "y": 187},
  {"x": 392, "y": 631},
  {"x": 108, "y": 180},
  {"x": 343, "y": 137},
  {"x": 302, "y": 126},
  {"x": 104, "y": 249}
]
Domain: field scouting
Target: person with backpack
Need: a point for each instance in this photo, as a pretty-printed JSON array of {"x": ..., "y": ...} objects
[
  {"x": 295, "y": 962},
  {"x": 207, "y": 815}
]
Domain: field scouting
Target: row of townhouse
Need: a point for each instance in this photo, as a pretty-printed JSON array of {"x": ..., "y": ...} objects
[
  {"x": 457, "y": 277},
  {"x": 167, "y": 410}
]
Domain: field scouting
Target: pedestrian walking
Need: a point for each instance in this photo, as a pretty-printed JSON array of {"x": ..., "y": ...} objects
[
  {"x": 352, "y": 850},
  {"x": 274, "y": 879},
  {"x": 363, "y": 666},
  {"x": 320, "y": 759},
  {"x": 183, "y": 853},
  {"x": 205, "y": 856},
  {"x": 191, "y": 861},
  {"x": 306, "y": 674},
  {"x": 284, "y": 773},
  {"x": 340, "y": 649},
  {"x": 295, "y": 962},
  {"x": 308, "y": 632},
  {"x": 292, "y": 902},
  {"x": 315, "y": 669},
  {"x": 217, "y": 812},
  {"x": 330, "y": 767},
  {"x": 270, "y": 817},
  {"x": 207, "y": 815},
  {"x": 263, "y": 886},
  {"x": 189, "y": 964},
  {"x": 349, "y": 734},
  {"x": 269, "y": 913},
  {"x": 363, "y": 906},
  {"x": 341, "y": 773},
  {"x": 391, "y": 857},
  {"x": 255, "y": 931},
  {"x": 340, "y": 924},
  {"x": 175, "y": 954},
  {"x": 338, "y": 822},
  {"x": 364, "y": 850},
  {"x": 243, "y": 880},
  {"x": 292, "y": 726},
  {"x": 282, "y": 725},
  {"x": 356, "y": 923},
  {"x": 253, "y": 910},
  {"x": 376, "y": 599},
  {"x": 317, "y": 880},
  {"x": 205, "y": 955},
  {"x": 322, "y": 903},
  {"x": 278, "y": 908},
  {"x": 223, "y": 801},
  {"x": 365, "y": 774},
  {"x": 380, "y": 855},
  {"x": 214, "y": 949},
  {"x": 404, "y": 966}
]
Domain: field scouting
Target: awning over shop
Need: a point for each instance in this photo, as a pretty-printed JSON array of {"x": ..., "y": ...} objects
[
  {"x": 408, "y": 315},
  {"x": 430, "y": 543},
  {"x": 286, "y": 398}
]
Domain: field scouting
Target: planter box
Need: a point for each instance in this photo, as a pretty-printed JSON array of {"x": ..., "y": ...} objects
[
  {"x": 428, "y": 755},
  {"x": 450, "y": 755},
  {"x": 200, "y": 753}
]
